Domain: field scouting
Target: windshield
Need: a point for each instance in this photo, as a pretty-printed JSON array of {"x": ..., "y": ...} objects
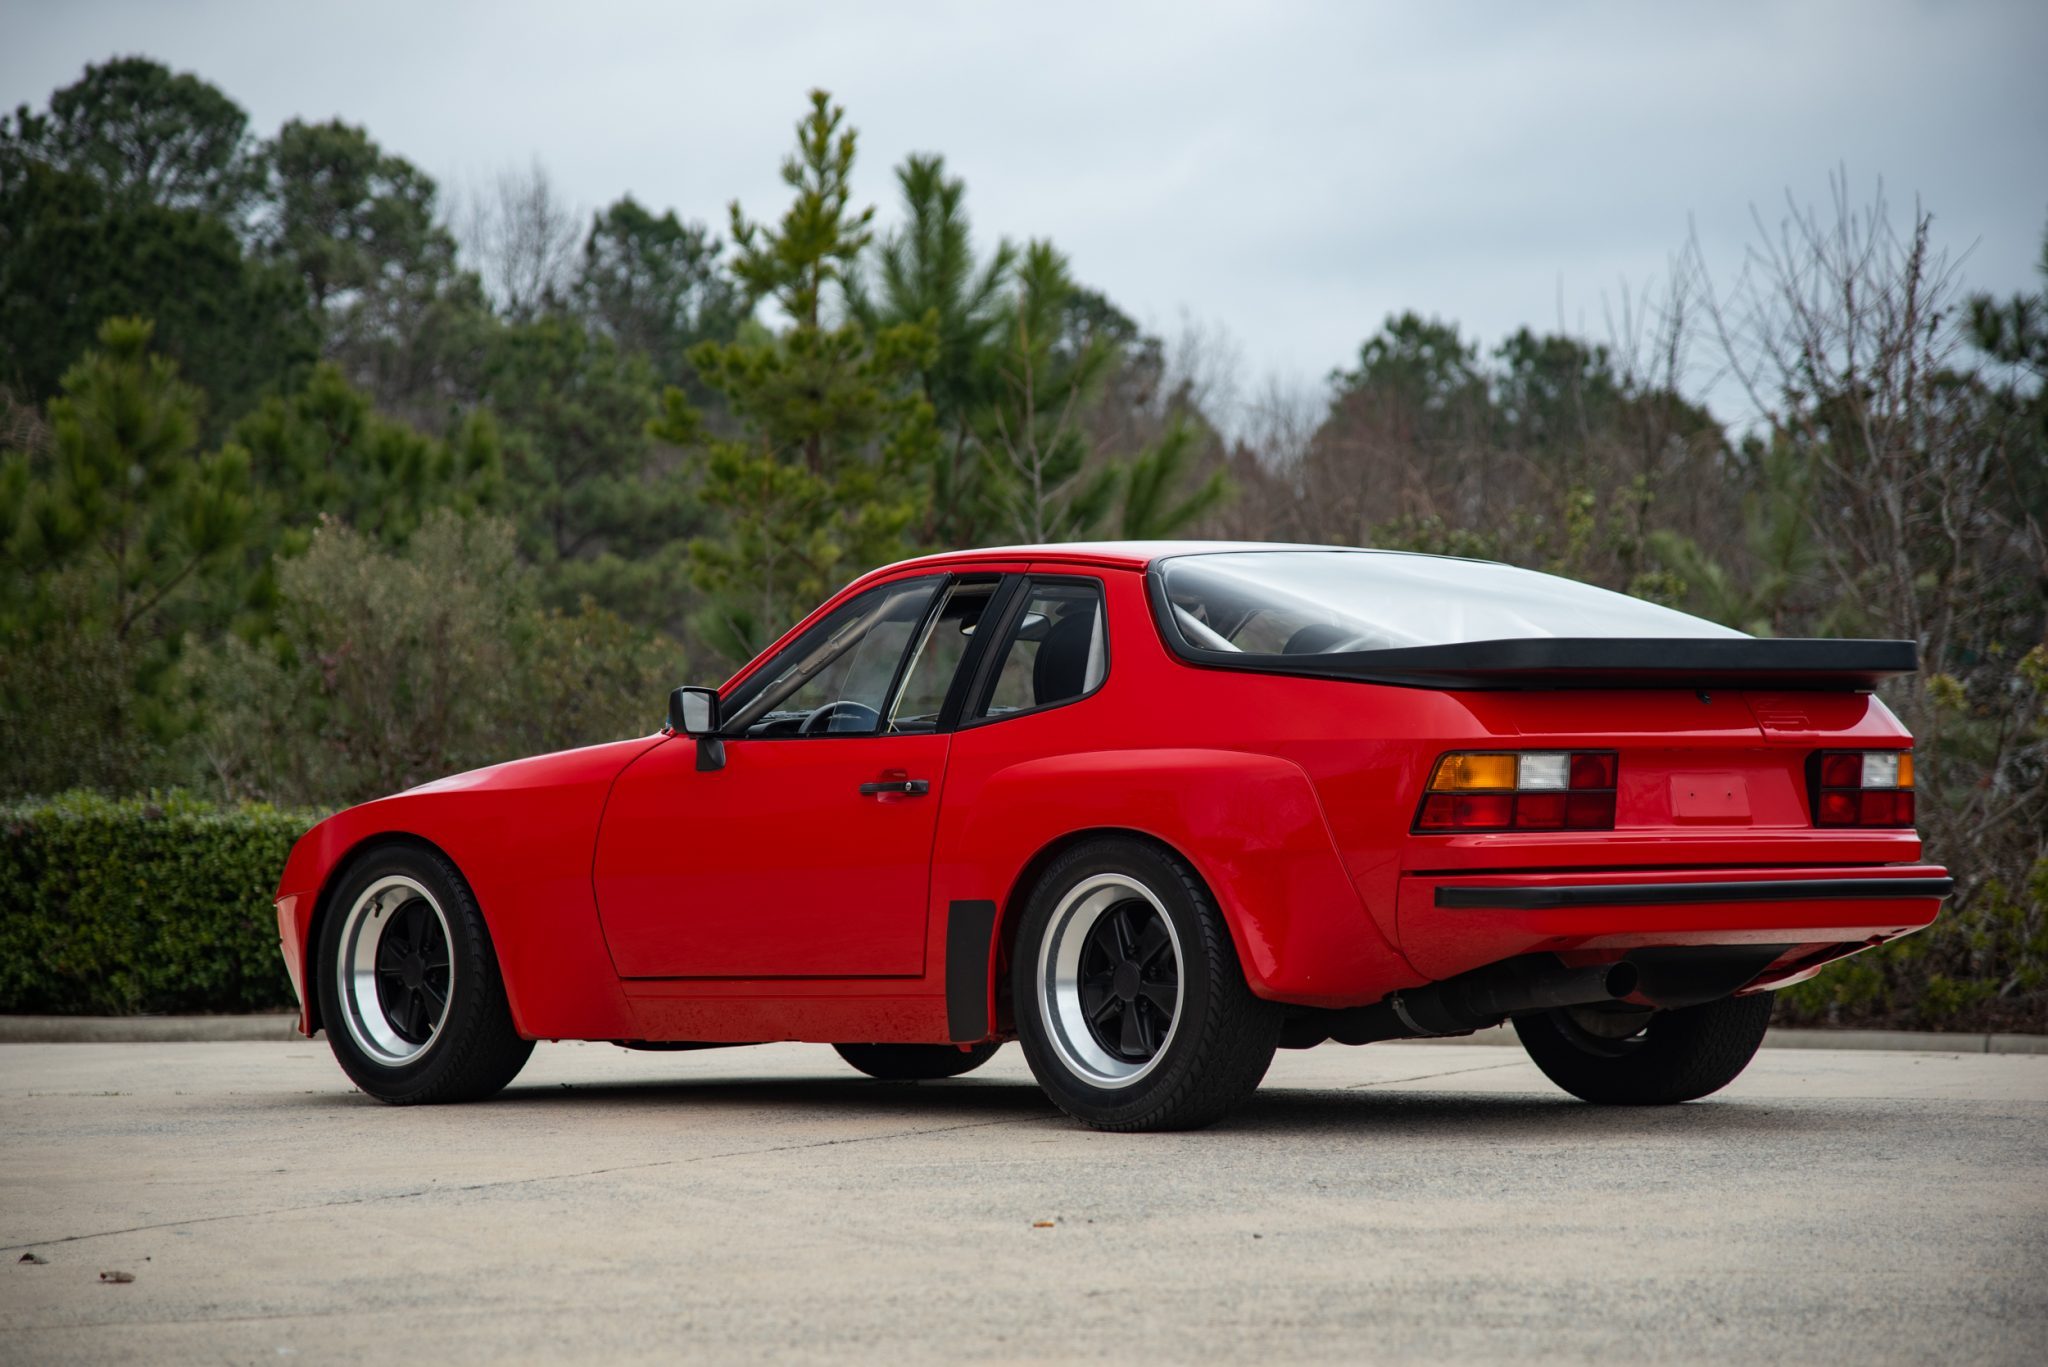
[{"x": 1320, "y": 602}]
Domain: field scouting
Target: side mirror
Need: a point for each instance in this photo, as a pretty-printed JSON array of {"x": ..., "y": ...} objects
[{"x": 693, "y": 711}]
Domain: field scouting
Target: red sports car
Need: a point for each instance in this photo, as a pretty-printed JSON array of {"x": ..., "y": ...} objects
[{"x": 1154, "y": 810}]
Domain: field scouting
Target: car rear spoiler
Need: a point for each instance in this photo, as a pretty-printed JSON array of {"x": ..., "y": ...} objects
[{"x": 1595, "y": 662}]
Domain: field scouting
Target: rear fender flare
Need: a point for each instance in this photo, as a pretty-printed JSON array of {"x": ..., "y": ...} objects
[{"x": 1250, "y": 826}]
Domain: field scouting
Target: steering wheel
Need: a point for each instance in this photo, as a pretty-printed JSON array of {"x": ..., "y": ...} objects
[{"x": 818, "y": 716}]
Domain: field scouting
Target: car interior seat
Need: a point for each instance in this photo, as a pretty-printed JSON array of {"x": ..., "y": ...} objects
[{"x": 1062, "y": 667}]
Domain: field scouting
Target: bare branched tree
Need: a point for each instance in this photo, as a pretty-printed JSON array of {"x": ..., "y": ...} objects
[
  {"x": 524, "y": 238},
  {"x": 1841, "y": 331},
  {"x": 1845, "y": 334}
]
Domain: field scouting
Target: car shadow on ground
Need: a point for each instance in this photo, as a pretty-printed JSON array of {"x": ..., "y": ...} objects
[{"x": 1442, "y": 1111}]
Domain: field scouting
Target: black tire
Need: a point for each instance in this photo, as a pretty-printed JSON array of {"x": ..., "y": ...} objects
[
  {"x": 1217, "y": 1041},
  {"x": 916, "y": 1062},
  {"x": 1679, "y": 1055},
  {"x": 471, "y": 1050}
]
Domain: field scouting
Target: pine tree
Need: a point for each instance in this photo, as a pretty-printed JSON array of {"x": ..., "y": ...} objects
[
  {"x": 653, "y": 285},
  {"x": 145, "y": 135},
  {"x": 928, "y": 272},
  {"x": 835, "y": 440},
  {"x": 595, "y": 507},
  {"x": 1153, "y": 504},
  {"x": 361, "y": 229},
  {"x": 323, "y": 450},
  {"x": 124, "y": 492},
  {"x": 116, "y": 532},
  {"x": 1044, "y": 487}
]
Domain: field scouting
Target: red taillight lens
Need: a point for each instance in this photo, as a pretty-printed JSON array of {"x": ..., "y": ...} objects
[
  {"x": 1862, "y": 787},
  {"x": 1546, "y": 790},
  {"x": 1593, "y": 770},
  {"x": 1482, "y": 809},
  {"x": 1590, "y": 811}
]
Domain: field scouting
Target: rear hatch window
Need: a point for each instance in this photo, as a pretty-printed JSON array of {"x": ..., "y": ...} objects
[{"x": 1323, "y": 602}]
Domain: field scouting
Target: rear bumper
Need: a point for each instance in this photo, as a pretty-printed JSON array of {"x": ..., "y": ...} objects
[
  {"x": 1723, "y": 891},
  {"x": 1450, "y": 923}
]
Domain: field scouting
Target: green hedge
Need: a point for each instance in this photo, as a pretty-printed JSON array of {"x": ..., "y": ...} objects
[{"x": 127, "y": 905}]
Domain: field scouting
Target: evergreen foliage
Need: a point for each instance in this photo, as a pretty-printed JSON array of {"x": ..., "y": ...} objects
[
  {"x": 146, "y": 136},
  {"x": 290, "y": 509},
  {"x": 654, "y": 285},
  {"x": 834, "y": 438}
]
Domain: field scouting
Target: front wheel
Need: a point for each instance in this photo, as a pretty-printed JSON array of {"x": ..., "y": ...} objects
[
  {"x": 1131, "y": 1006},
  {"x": 1646, "y": 1058},
  {"x": 408, "y": 984}
]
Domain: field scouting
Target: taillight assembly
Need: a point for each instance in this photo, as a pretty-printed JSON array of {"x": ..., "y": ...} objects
[
  {"x": 1537, "y": 790},
  {"x": 1862, "y": 787}
]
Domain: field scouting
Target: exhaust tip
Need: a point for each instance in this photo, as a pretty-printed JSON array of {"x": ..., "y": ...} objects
[{"x": 1622, "y": 979}]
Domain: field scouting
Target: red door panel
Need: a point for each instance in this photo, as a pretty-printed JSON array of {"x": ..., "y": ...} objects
[{"x": 776, "y": 865}]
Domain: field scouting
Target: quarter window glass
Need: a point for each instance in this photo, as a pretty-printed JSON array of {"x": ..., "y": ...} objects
[
  {"x": 938, "y": 657},
  {"x": 1056, "y": 652},
  {"x": 834, "y": 679}
]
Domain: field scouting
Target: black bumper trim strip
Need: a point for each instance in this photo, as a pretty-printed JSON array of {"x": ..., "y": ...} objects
[{"x": 1546, "y": 897}]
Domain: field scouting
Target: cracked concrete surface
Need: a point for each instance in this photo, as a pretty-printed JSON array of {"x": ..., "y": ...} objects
[{"x": 1397, "y": 1202}]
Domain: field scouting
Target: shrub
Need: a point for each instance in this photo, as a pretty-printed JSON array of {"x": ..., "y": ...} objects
[
  {"x": 1983, "y": 965},
  {"x": 391, "y": 668},
  {"x": 127, "y": 905}
]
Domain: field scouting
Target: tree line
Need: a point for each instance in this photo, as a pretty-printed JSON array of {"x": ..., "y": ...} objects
[{"x": 319, "y": 482}]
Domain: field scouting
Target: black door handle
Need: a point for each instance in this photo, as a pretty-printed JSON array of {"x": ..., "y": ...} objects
[{"x": 909, "y": 787}]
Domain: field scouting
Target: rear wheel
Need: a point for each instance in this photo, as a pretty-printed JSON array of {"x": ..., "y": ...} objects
[
  {"x": 408, "y": 984},
  {"x": 915, "y": 1062},
  {"x": 1646, "y": 1058},
  {"x": 1131, "y": 1005}
]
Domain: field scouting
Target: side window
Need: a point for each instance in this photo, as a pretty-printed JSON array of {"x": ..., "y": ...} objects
[
  {"x": 938, "y": 656},
  {"x": 834, "y": 679},
  {"x": 1056, "y": 651}
]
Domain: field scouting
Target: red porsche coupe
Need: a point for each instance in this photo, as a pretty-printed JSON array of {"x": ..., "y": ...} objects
[{"x": 1154, "y": 810}]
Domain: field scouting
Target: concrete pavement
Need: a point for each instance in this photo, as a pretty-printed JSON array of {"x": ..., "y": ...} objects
[{"x": 1398, "y": 1202}]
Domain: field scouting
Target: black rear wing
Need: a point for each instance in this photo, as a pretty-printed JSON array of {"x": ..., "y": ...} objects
[{"x": 1591, "y": 662}]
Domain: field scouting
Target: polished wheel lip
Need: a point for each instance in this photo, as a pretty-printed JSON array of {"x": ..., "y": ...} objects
[
  {"x": 355, "y": 967},
  {"x": 1059, "y": 980}
]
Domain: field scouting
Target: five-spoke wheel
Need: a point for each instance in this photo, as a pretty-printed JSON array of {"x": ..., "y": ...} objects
[
  {"x": 1131, "y": 1006},
  {"x": 1109, "y": 976},
  {"x": 408, "y": 985}
]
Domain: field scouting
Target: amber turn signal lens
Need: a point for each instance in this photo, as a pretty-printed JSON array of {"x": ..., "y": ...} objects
[
  {"x": 1467, "y": 773},
  {"x": 1549, "y": 790}
]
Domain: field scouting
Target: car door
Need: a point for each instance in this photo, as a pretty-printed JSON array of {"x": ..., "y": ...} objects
[{"x": 808, "y": 852}]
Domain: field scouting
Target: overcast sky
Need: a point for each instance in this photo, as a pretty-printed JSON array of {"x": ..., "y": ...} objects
[{"x": 1286, "y": 174}]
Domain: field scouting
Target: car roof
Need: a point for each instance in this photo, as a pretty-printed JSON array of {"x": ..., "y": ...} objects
[{"x": 1123, "y": 555}]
